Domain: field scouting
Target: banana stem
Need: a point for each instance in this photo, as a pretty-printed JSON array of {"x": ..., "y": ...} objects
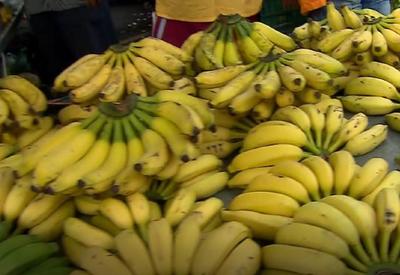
[
  {"x": 371, "y": 248},
  {"x": 361, "y": 254},
  {"x": 384, "y": 245},
  {"x": 395, "y": 251},
  {"x": 354, "y": 263}
]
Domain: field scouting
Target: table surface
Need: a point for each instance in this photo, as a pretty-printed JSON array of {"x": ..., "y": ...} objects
[{"x": 387, "y": 150}]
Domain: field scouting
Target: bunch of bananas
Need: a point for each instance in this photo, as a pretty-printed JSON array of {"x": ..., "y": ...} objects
[
  {"x": 273, "y": 194},
  {"x": 232, "y": 40},
  {"x": 282, "y": 80},
  {"x": 142, "y": 68},
  {"x": 339, "y": 235},
  {"x": 202, "y": 176},
  {"x": 27, "y": 254},
  {"x": 117, "y": 147},
  {"x": 373, "y": 90},
  {"x": 190, "y": 248},
  {"x": 23, "y": 210}
]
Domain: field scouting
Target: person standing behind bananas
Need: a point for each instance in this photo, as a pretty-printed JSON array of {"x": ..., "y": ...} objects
[
  {"x": 316, "y": 8},
  {"x": 176, "y": 20}
]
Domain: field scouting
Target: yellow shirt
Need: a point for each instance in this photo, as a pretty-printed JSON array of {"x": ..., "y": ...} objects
[{"x": 205, "y": 10}]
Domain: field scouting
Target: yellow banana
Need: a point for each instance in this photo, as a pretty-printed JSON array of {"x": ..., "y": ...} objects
[
  {"x": 281, "y": 40},
  {"x": 322, "y": 171},
  {"x": 369, "y": 105},
  {"x": 160, "y": 245},
  {"x": 75, "y": 112},
  {"x": 115, "y": 86},
  {"x": 342, "y": 163},
  {"x": 384, "y": 72},
  {"x": 367, "y": 141},
  {"x": 334, "y": 39},
  {"x": 192, "y": 42},
  {"x": 291, "y": 78},
  {"x": 335, "y": 20},
  {"x": 245, "y": 177},
  {"x": 351, "y": 18},
  {"x": 379, "y": 45},
  {"x": 155, "y": 76}
]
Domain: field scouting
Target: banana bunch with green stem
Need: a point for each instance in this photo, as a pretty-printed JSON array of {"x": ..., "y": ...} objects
[
  {"x": 272, "y": 195},
  {"x": 374, "y": 91},
  {"x": 232, "y": 40},
  {"x": 346, "y": 235},
  {"x": 141, "y": 68},
  {"x": 181, "y": 248},
  {"x": 301, "y": 76}
]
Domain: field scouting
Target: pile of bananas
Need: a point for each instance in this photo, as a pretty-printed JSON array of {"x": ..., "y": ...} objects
[
  {"x": 373, "y": 90},
  {"x": 272, "y": 195},
  {"x": 189, "y": 248},
  {"x": 282, "y": 80},
  {"x": 232, "y": 40},
  {"x": 117, "y": 147},
  {"x": 339, "y": 235},
  {"x": 36, "y": 214},
  {"x": 294, "y": 129},
  {"x": 360, "y": 35},
  {"x": 26, "y": 254},
  {"x": 142, "y": 68}
]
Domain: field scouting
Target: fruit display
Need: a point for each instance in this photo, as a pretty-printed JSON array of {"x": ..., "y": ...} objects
[
  {"x": 232, "y": 40},
  {"x": 187, "y": 249},
  {"x": 276, "y": 80},
  {"x": 142, "y": 68},
  {"x": 339, "y": 235},
  {"x": 272, "y": 195}
]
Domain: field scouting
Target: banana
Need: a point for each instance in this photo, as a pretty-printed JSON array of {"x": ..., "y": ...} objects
[
  {"x": 87, "y": 205},
  {"x": 244, "y": 102},
  {"x": 94, "y": 158},
  {"x": 75, "y": 112},
  {"x": 291, "y": 78},
  {"x": 179, "y": 206},
  {"x": 333, "y": 123},
  {"x": 320, "y": 239},
  {"x": 296, "y": 116},
  {"x": 300, "y": 173},
  {"x": 333, "y": 40},
  {"x": 186, "y": 240},
  {"x": 208, "y": 186},
  {"x": 269, "y": 134},
  {"x": 6, "y": 150},
  {"x": 167, "y": 47},
  {"x": 219, "y": 77},
  {"x": 317, "y": 120},
  {"x": 326, "y": 102},
  {"x": 26, "y": 257},
  {"x": 191, "y": 42},
  {"x": 131, "y": 183},
  {"x": 262, "y": 226},
  {"x": 161, "y": 246},
  {"x": 392, "y": 38},
  {"x": 281, "y": 40},
  {"x": 387, "y": 210},
  {"x": 279, "y": 184},
  {"x": 115, "y": 88},
  {"x": 194, "y": 168},
  {"x": 265, "y": 156},
  {"x": 342, "y": 163},
  {"x": 59, "y": 84},
  {"x": 7, "y": 179},
  {"x": 18, "y": 198},
  {"x": 185, "y": 85},
  {"x": 384, "y": 72},
  {"x": 320, "y": 61},
  {"x": 221, "y": 133},
  {"x": 389, "y": 181},
  {"x": 204, "y": 55},
  {"x": 302, "y": 32},
  {"x": 117, "y": 212},
  {"x": 372, "y": 86},
  {"x": 97, "y": 260},
  {"x": 25, "y": 89},
  {"x": 270, "y": 84},
  {"x": 389, "y": 58},
  {"x": 243, "y": 178},
  {"x": 247, "y": 46},
  {"x": 363, "y": 217},
  {"x": 244, "y": 258},
  {"x": 363, "y": 41},
  {"x": 300, "y": 259},
  {"x": 328, "y": 217},
  {"x": 162, "y": 59},
  {"x": 205, "y": 211},
  {"x": 344, "y": 51},
  {"x": 85, "y": 71},
  {"x": 113, "y": 163},
  {"x": 284, "y": 97},
  {"x": 227, "y": 236},
  {"x": 155, "y": 147},
  {"x": 170, "y": 169},
  {"x": 265, "y": 202},
  {"x": 231, "y": 51},
  {"x": 309, "y": 96},
  {"x": 351, "y": 128},
  {"x": 261, "y": 40},
  {"x": 335, "y": 20},
  {"x": 51, "y": 165},
  {"x": 234, "y": 87},
  {"x": 351, "y": 18},
  {"x": 323, "y": 172},
  {"x": 392, "y": 120},
  {"x": 263, "y": 110},
  {"x": 220, "y": 148},
  {"x": 19, "y": 108},
  {"x": 367, "y": 140},
  {"x": 139, "y": 207},
  {"x": 51, "y": 228},
  {"x": 368, "y": 177},
  {"x": 155, "y": 76},
  {"x": 369, "y": 105},
  {"x": 134, "y": 252},
  {"x": 105, "y": 224},
  {"x": 134, "y": 82},
  {"x": 87, "y": 234},
  {"x": 38, "y": 209},
  {"x": 379, "y": 45},
  {"x": 4, "y": 111}
]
